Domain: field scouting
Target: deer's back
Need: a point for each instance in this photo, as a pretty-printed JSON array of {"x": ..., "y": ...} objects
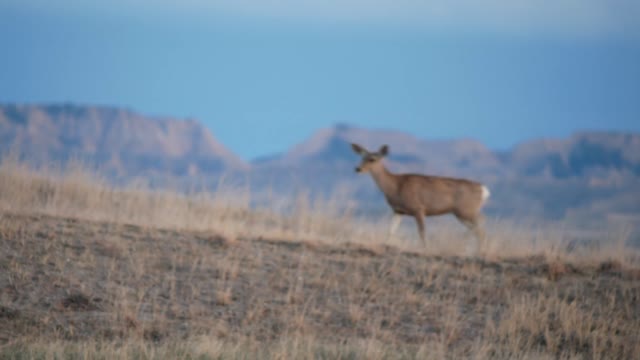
[{"x": 436, "y": 195}]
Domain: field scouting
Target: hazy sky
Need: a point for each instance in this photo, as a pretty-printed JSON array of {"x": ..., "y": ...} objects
[{"x": 264, "y": 74}]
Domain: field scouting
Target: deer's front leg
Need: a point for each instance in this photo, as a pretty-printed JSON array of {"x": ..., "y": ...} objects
[
  {"x": 420, "y": 222},
  {"x": 395, "y": 222}
]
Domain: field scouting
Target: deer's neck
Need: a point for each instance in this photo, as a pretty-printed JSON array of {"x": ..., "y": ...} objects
[{"x": 386, "y": 181}]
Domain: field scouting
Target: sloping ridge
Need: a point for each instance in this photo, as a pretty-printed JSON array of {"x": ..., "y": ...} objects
[
  {"x": 579, "y": 155},
  {"x": 116, "y": 140},
  {"x": 331, "y": 147}
]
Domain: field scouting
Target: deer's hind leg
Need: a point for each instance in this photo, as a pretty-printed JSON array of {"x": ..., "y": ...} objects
[
  {"x": 420, "y": 223},
  {"x": 476, "y": 225}
]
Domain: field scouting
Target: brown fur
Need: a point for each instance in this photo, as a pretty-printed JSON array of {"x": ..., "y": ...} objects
[{"x": 421, "y": 195}]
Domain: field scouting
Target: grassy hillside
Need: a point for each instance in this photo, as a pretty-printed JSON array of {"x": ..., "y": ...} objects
[{"x": 88, "y": 270}]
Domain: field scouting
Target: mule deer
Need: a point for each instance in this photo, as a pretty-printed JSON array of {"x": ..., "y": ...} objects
[{"x": 421, "y": 195}]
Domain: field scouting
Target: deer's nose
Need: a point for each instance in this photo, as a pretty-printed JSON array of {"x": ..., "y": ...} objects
[{"x": 358, "y": 169}]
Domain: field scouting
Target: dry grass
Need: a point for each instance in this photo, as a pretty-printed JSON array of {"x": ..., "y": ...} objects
[{"x": 92, "y": 271}]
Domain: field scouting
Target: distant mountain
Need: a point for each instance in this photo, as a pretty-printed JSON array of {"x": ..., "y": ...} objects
[
  {"x": 325, "y": 162},
  {"x": 580, "y": 155},
  {"x": 590, "y": 178},
  {"x": 586, "y": 155},
  {"x": 119, "y": 142},
  {"x": 331, "y": 145}
]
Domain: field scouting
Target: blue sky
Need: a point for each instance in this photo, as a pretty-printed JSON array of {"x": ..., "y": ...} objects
[{"x": 263, "y": 75}]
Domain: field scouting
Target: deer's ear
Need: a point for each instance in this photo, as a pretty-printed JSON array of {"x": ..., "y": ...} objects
[
  {"x": 359, "y": 149},
  {"x": 384, "y": 150}
]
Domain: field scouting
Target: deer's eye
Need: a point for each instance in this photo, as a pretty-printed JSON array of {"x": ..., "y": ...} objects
[{"x": 371, "y": 160}]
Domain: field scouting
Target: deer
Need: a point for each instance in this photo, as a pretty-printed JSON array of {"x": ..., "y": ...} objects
[{"x": 420, "y": 196}]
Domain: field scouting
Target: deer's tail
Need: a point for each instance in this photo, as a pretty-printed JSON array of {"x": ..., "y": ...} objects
[{"x": 485, "y": 194}]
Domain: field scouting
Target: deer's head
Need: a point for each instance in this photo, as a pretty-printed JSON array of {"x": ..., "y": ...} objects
[{"x": 369, "y": 159}]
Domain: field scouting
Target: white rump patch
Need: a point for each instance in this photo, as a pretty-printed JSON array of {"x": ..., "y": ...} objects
[{"x": 485, "y": 193}]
